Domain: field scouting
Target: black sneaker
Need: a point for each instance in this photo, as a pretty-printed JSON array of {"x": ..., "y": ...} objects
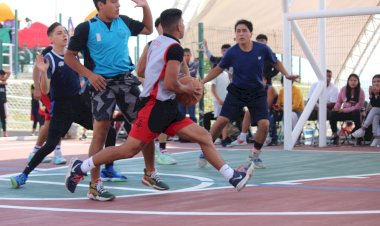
[
  {"x": 273, "y": 143},
  {"x": 225, "y": 143},
  {"x": 74, "y": 175},
  {"x": 239, "y": 179},
  {"x": 336, "y": 140}
]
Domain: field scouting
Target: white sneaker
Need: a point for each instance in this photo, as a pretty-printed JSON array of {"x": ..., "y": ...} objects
[
  {"x": 375, "y": 142},
  {"x": 165, "y": 158},
  {"x": 217, "y": 141},
  {"x": 202, "y": 162},
  {"x": 238, "y": 142},
  {"x": 59, "y": 160},
  {"x": 359, "y": 133}
]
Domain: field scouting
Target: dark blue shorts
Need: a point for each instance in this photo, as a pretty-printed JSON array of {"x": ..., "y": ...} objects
[{"x": 255, "y": 100}]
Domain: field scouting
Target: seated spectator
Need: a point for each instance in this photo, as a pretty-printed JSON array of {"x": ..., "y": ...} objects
[
  {"x": 331, "y": 97},
  {"x": 348, "y": 106},
  {"x": 297, "y": 102},
  {"x": 373, "y": 115}
]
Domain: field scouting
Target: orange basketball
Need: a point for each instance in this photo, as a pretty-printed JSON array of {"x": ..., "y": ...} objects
[{"x": 187, "y": 99}]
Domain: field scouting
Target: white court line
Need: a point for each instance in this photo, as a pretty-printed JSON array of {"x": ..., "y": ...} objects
[
  {"x": 295, "y": 182},
  {"x": 137, "y": 212},
  {"x": 204, "y": 183},
  {"x": 203, "y": 213}
]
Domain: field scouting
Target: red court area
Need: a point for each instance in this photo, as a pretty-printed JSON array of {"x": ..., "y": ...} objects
[{"x": 346, "y": 200}]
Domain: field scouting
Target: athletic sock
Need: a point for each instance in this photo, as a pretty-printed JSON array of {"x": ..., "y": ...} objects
[
  {"x": 87, "y": 165},
  {"x": 255, "y": 154},
  {"x": 226, "y": 171},
  {"x": 57, "y": 151},
  {"x": 243, "y": 136},
  {"x": 36, "y": 148}
]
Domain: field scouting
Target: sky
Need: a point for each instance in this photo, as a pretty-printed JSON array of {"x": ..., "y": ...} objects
[{"x": 48, "y": 11}]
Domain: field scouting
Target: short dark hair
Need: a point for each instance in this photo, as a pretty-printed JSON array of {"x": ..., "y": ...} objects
[
  {"x": 328, "y": 71},
  {"x": 157, "y": 22},
  {"x": 186, "y": 50},
  {"x": 170, "y": 17},
  {"x": 246, "y": 23},
  {"x": 2, "y": 72},
  {"x": 262, "y": 36},
  {"x": 52, "y": 27},
  {"x": 96, "y": 3},
  {"x": 376, "y": 76},
  {"x": 226, "y": 46}
]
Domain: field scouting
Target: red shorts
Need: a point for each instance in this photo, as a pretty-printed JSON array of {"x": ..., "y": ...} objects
[
  {"x": 45, "y": 99},
  {"x": 158, "y": 117}
]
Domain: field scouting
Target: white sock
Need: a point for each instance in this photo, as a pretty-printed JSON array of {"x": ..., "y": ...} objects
[
  {"x": 87, "y": 165},
  {"x": 226, "y": 171},
  {"x": 35, "y": 149},
  {"x": 243, "y": 136},
  {"x": 57, "y": 151},
  {"x": 255, "y": 154}
]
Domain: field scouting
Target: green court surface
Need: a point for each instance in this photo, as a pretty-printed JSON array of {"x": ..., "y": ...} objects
[{"x": 282, "y": 167}]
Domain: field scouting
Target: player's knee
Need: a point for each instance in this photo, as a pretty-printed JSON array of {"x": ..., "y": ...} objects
[
  {"x": 204, "y": 137},
  {"x": 129, "y": 151},
  {"x": 263, "y": 124}
]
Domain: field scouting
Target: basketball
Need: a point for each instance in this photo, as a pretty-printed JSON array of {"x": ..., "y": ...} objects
[{"x": 187, "y": 99}]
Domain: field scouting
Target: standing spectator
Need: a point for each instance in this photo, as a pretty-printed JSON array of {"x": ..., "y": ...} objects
[
  {"x": 331, "y": 97},
  {"x": 213, "y": 59},
  {"x": 4, "y": 75},
  {"x": 373, "y": 115},
  {"x": 348, "y": 106},
  {"x": 35, "y": 116},
  {"x": 219, "y": 92},
  {"x": 219, "y": 87},
  {"x": 193, "y": 68},
  {"x": 270, "y": 70}
]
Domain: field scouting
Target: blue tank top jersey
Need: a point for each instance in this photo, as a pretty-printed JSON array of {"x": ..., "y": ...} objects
[
  {"x": 109, "y": 47},
  {"x": 248, "y": 67},
  {"x": 64, "y": 82}
]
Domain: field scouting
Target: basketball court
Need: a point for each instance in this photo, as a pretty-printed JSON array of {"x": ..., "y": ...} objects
[{"x": 301, "y": 187}]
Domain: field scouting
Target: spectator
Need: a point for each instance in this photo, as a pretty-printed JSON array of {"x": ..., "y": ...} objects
[
  {"x": 270, "y": 70},
  {"x": 193, "y": 68},
  {"x": 35, "y": 115},
  {"x": 213, "y": 59},
  {"x": 331, "y": 97},
  {"x": 218, "y": 89},
  {"x": 4, "y": 75},
  {"x": 348, "y": 106},
  {"x": 297, "y": 102},
  {"x": 373, "y": 115}
]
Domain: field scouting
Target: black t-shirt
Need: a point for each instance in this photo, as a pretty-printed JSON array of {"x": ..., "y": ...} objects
[{"x": 3, "y": 94}]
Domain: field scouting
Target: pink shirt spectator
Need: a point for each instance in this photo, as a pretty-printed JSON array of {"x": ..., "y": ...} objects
[{"x": 349, "y": 106}]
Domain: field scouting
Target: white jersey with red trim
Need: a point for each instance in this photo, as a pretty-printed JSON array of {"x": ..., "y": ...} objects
[{"x": 155, "y": 69}]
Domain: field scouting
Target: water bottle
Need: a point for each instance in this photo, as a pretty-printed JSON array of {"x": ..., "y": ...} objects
[{"x": 308, "y": 135}]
